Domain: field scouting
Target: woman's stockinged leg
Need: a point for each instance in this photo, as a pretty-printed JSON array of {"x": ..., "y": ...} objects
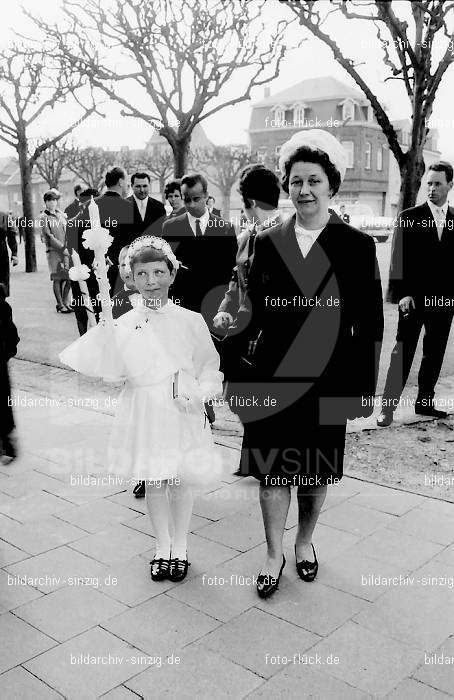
[
  {"x": 181, "y": 500},
  {"x": 274, "y": 502},
  {"x": 159, "y": 511},
  {"x": 57, "y": 292},
  {"x": 310, "y": 502}
]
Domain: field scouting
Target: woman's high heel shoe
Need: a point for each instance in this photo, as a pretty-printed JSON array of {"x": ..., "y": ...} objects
[
  {"x": 266, "y": 584},
  {"x": 307, "y": 570},
  {"x": 63, "y": 309}
]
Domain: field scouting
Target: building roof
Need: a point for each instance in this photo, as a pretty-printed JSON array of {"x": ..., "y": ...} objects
[
  {"x": 313, "y": 90},
  {"x": 15, "y": 179},
  {"x": 199, "y": 139},
  {"x": 8, "y": 165}
]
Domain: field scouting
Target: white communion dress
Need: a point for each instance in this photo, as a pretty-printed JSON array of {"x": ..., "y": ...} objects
[{"x": 158, "y": 352}]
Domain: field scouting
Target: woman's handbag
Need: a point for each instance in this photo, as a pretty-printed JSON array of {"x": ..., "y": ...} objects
[{"x": 61, "y": 272}]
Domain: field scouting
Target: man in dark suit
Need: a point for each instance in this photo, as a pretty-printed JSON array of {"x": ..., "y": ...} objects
[
  {"x": 116, "y": 214},
  {"x": 74, "y": 232},
  {"x": 421, "y": 281},
  {"x": 206, "y": 245},
  {"x": 74, "y": 208},
  {"x": 148, "y": 212}
]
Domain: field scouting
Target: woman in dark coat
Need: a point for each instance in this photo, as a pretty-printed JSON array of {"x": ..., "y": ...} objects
[
  {"x": 7, "y": 237},
  {"x": 8, "y": 346},
  {"x": 315, "y": 295}
]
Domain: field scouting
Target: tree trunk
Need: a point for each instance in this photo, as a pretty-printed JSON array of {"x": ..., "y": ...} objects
[
  {"x": 411, "y": 174},
  {"x": 180, "y": 150},
  {"x": 27, "y": 205},
  {"x": 225, "y": 211}
]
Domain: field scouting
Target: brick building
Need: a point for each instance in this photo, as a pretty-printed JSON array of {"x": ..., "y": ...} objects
[{"x": 327, "y": 103}]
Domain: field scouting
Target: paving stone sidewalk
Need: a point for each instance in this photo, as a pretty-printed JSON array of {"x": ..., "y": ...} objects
[{"x": 80, "y": 617}]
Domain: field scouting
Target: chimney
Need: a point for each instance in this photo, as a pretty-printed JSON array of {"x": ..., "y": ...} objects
[{"x": 266, "y": 92}]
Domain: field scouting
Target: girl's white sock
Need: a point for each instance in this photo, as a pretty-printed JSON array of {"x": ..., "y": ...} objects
[
  {"x": 181, "y": 501},
  {"x": 159, "y": 511}
]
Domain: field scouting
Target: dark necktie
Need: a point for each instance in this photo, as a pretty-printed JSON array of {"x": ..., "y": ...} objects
[{"x": 198, "y": 230}]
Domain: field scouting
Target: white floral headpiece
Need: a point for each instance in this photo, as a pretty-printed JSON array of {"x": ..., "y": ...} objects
[{"x": 150, "y": 242}]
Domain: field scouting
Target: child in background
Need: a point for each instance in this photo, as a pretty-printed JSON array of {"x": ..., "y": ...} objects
[
  {"x": 122, "y": 302},
  {"x": 125, "y": 299},
  {"x": 171, "y": 367},
  {"x": 8, "y": 348}
]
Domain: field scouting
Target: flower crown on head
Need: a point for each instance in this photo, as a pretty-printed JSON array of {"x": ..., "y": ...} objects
[{"x": 150, "y": 242}]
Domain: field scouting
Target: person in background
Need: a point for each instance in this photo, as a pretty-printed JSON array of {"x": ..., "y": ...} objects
[
  {"x": 74, "y": 208},
  {"x": 122, "y": 301},
  {"x": 210, "y": 206},
  {"x": 172, "y": 192},
  {"x": 206, "y": 246},
  {"x": 75, "y": 229},
  {"x": 148, "y": 213},
  {"x": 420, "y": 273},
  {"x": 53, "y": 234},
  {"x": 7, "y": 238},
  {"x": 9, "y": 340},
  {"x": 259, "y": 189},
  {"x": 343, "y": 214}
]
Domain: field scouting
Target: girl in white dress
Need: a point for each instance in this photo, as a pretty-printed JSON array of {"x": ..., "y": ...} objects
[{"x": 160, "y": 433}]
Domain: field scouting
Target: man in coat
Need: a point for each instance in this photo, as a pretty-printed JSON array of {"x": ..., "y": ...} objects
[
  {"x": 74, "y": 208},
  {"x": 206, "y": 245},
  {"x": 421, "y": 282},
  {"x": 148, "y": 212}
]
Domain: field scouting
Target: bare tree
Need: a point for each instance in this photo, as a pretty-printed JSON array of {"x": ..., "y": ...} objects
[
  {"x": 32, "y": 83},
  {"x": 221, "y": 166},
  {"x": 90, "y": 164},
  {"x": 53, "y": 161},
  {"x": 409, "y": 49},
  {"x": 178, "y": 57}
]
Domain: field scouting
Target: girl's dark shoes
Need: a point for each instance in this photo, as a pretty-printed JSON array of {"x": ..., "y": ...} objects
[
  {"x": 178, "y": 569},
  {"x": 159, "y": 569},
  {"x": 266, "y": 584},
  {"x": 307, "y": 570}
]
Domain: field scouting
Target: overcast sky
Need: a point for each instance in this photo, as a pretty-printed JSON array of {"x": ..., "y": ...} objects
[{"x": 311, "y": 60}]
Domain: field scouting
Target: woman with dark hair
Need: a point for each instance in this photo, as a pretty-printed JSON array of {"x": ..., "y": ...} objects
[
  {"x": 317, "y": 316},
  {"x": 172, "y": 192},
  {"x": 259, "y": 190},
  {"x": 53, "y": 234}
]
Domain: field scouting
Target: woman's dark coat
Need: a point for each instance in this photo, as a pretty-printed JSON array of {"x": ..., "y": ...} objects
[{"x": 314, "y": 366}]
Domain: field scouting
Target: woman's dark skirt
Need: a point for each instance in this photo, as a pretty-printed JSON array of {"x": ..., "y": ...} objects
[{"x": 298, "y": 445}]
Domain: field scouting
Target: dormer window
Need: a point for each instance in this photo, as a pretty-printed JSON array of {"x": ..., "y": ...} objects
[
  {"x": 279, "y": 115},
  {"x": 298, "y": 115},
  {"x": 348, "y": 110}
]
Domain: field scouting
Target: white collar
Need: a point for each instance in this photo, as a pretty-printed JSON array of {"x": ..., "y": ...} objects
[
  {"x": 144, "y": 309},
  {"x": 141, "y": 202},
  {"x": 434, "y": 209},
  {"x": 203, "y": 220},
  {"x": 312, "y": 233}
]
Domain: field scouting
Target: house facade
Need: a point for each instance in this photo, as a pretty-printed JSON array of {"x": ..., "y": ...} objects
[
  {"x": 431, "y": 154},
  {"x": 329, "y": 104}
]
